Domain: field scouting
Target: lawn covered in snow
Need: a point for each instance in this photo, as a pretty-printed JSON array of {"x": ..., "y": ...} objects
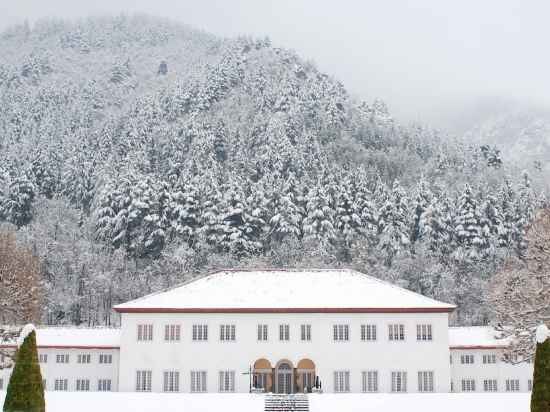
[{"x": 161, "y": 402}]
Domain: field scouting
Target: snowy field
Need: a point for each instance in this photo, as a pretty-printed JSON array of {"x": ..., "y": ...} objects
[{"x": 141, "y": 402}]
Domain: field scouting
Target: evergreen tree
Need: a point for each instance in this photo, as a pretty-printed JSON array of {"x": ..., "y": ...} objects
[
  {"x": 319, "y": 221},
  {"x": 17, "y": 204},
  {"x": 468, "y": 231},
  {"x": 540, "y": 395},
  {"x": 25, "y": 391},
  {"x": 394, "y": 238}
]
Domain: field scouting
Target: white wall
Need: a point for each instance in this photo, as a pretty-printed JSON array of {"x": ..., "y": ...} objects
[
  {"x": 328, "y": 355},
  {"x": 73, "y": 370},
  {"x": 501, "y": 371}
]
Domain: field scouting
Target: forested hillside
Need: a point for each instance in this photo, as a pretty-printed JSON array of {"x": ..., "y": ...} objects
[{"x": 135, "y": 152}]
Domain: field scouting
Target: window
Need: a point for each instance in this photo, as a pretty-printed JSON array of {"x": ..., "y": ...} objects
[
  {"x": 198, "y": 381},
  {"x": 104, "y": 385},
  {"x": 512, "y": 385},
  {"x": 396, "y": 332},
  {"x": 399, "y": 381},
  {"x": 84, "y": 358},
  {"x": 341, "y": 332},
  {"x": 105, "y": 358},
  {"x": 145, "y": 332},
  {"x": 529, "y": 384},
  {"x": 341, "y": 381},
  {"x": 489, "y": 358},
  {"x": 262, "y": 332},
  {"x": 82, "y": 385},
  {"x": 284, "y": 332},
  {"x": 305, "y": 332},
  {"x": 370, "y": 381},
  {"x": 143, "y": 381},
  {"x": 425, "y": 381},
  {"x": 451, "y": 359},
  {"x": 172, "y": 333},
  {"x": 423, "y": 332},
  {"x": 490, "y": 385},
  {"x": 511, "y": 357},
  {"x": 468, "y": 385},
  {"x": 200, "y": 332},
  {"x": 60, "y": 384},
  {"x": 62, "y": 358},
  {"x": 368, "y": 332},
  {"x": 467, "y": 359},
  {"x": 227, "y": 332},
  {"x": 171, "y": 381},
  {"x": 227, "y": 381},
  {"x": 43, "y": 358}
]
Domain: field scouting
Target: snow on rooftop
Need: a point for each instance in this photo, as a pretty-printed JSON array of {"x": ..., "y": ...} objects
[
  {"x": 285, "y": 289},
  {"x": 77, "y": 337},
  {"x": 475, "y": 336}
]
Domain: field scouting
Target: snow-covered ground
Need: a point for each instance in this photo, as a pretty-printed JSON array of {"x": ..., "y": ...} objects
[{"x": 152, "y": 402}]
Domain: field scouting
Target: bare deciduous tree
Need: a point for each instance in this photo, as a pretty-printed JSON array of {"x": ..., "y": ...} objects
[
  {"x": 520, "y": 293},
  {"x": 20, "y": 290}
]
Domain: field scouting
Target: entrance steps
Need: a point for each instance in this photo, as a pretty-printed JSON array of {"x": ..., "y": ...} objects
[{"x": 298, "y": 402}]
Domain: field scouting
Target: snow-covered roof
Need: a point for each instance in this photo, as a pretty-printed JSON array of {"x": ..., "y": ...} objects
[
  {"x": 58, "y": 337},
  {"x": 475, "y": 337},
  {"x": 312, "y": 290}
]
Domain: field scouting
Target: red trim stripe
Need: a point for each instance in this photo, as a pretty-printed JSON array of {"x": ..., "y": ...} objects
[
  {"x": 472, "y": 347},
  {"x": 65, "y": 347},
  {"x": 284, "y": 310}
]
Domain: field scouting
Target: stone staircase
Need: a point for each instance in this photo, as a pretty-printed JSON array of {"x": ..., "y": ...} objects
[{"x": 282, "y": 403}]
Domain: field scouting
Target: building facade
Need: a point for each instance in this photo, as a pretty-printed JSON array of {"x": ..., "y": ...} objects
[{"x": 281, "y": 331}]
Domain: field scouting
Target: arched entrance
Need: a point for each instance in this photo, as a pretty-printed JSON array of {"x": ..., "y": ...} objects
[
  {"x": 284, "y": 377},
  {"x": 306, "y": 375},
  {"x": 262, "y": 375}
]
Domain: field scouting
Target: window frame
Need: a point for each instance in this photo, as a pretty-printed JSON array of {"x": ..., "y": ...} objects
[
  {"x": 226, "y": 378},
  {"x": 148, "y": 386},
  {"x": 424, "y": 332},
  {"x": 402, "y": 332},
  {"x": 366, "y": 379},
  {"x": 341, "y": 332},
  {"x": 172, "y": 385},
  {"x": 426, "y": 378},
  {"x": 403, "y": 385},
  {"x": 203, "y": 381},
  {"x": 342, "y": 377},
  {"x": 369, "y": 332},
  {"x": 203, "y": 335}
]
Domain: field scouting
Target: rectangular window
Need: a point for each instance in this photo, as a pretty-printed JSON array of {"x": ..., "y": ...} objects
[
  {"x": 145, "y": 332},
  {"x": 284, "y": 332},
  {"x": 370, "y": 381},
  {"x": 423, "y": 332},
  {"x": 143, "y": 381},
  {"x": 198, "y": 381},
  {"x": 227, "y": 381},
  {"x": 305, "y": 332},
  {"x": 368, "y": 332},
  {"x": 490, "y": 385},
  {"x": 171, "y": 381},
  {"x": 60, "y": 385},
  {"x": 512, "y": 385},
  {"x": 467, "y": 359},
  {"x": 262, "y": 332},
  {"x": 489, "y": 359},
  {"x": 43, "y": 358},
  {"x": 341, "y": 381},
  {"x": 200, "y": 332},
  {"x": 529, "y": 385},
  {"x": 104, "y": 385},
  {"x": 396, "y": 332},
  {"x": 468, "y": 385},
  {"x": 425, "y": 381},
  {"x": 227, "y": 332},
  {"x": 84, "y": 358},
  {"x": 82, "y": 385},
  {"x": 105, "y": 358},
  {"x": 172, "y": 333},
  {"x": 341, "y": 332},
  {"x": 62, "y": 358},
  {"x": 399, "y": 381}
]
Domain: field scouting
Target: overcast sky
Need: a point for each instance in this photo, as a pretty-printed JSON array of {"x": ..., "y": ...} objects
[{"x": 424, "y": 57}]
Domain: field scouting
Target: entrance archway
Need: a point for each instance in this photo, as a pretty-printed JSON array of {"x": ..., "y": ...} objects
[
  {"x": 306, "y": 375},
  {"x": 284, "y": 377},
  {"x": 262, "y": 375}
]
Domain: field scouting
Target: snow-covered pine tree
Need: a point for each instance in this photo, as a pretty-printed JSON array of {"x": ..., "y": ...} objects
[
  {"x": 393, "y": 218},
  {"x": 422, "y": 200},
  {"x": 467, "y": 226},
  {"x": 185, "y": 210},
  {"x": 287, "y": 210},
  {"x": 17, "y": 204},
  {"x": 318, "y": 224}
]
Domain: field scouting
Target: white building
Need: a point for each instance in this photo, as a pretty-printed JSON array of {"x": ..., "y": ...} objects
[{"x": 281, "y": 331}]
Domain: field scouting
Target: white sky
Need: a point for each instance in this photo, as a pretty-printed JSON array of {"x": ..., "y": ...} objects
[{"x": 424, "y": 57}]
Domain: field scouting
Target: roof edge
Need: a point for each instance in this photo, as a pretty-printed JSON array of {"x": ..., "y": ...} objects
[
  {"x": 472, "y": 347},
  {"x": 284, "y": 310}
]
